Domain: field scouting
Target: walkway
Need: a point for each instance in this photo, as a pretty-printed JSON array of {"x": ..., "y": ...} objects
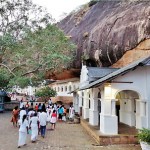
[{"x": 65, "y": 137}]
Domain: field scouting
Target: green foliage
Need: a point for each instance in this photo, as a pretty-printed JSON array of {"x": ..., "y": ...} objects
[
  {"x": 42, "y": 50},
  {"x": 4, "y": 78},
  {"x": 144, "y": 135},
  {"x": 29, "y": 44},
  {"x": 46, "y": 92},
  {"x": 20, "y": 81}
]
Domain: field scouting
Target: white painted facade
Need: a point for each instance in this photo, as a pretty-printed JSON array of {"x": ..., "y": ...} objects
[
  {"x": 64, "y": 88},
  {"x": 30, "y": 90},
  {"x": 130, "y": 92}
]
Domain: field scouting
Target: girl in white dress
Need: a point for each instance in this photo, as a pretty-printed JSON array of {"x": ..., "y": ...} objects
[
  {"x": 23, "y": 130},
  {"x": 53, "y": 119}
]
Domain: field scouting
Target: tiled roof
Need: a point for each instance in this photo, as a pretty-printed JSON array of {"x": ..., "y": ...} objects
[
  {"x": 97, "y": 72},
  {"x": 113, "y": 75}
]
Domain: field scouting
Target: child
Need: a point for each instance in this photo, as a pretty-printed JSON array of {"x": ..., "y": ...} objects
[{"x": 53, "y": 119}]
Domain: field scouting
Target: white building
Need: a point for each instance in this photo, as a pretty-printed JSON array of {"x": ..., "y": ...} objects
[
  {"x": 64, "y": 89},
  {"x": 119, "y": 95}
]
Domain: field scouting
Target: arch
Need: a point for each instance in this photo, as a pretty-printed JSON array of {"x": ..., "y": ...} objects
[
  {"x": 126, "y": 106},
  {"x": 131, "y": 89}
]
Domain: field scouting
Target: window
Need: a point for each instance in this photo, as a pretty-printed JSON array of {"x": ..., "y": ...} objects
[
  {"x": 70, "y": 88},
  {"x": 82, "y": 98},
  {"x": 58, "y": 89},
  {"x": 66, "y": 88},
  {"x": 62, "y": 89},
  {"x": 89, "y": 102}
]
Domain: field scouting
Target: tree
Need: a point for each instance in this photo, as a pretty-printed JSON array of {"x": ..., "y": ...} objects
[
  {"x": 45, "y": 49},
  {"x": 46, "y": 92},
  {"x": 29, "y": 45},
  {"x": 15, "y": 17},
  {"x": 4, "y": 78}
]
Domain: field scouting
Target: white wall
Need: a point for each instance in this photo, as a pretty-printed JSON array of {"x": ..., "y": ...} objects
[
  {"x": 65, "y": 92},
  {"x": 141, "y": 84}
]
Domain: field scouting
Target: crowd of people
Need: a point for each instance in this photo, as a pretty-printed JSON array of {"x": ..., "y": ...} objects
[{"x": 34, "y": 119}]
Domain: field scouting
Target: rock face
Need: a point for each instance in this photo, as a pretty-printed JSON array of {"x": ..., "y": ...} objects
[{"x": 109, "y": 32}]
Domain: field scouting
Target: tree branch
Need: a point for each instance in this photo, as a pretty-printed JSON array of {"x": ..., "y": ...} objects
[
  {"x": 17, "y": 67},
  {"x": 7, "y": 68},
  {"x": 32, "y": 71}
]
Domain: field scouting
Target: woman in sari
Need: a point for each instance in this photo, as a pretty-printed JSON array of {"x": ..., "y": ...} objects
[
  {"x": 34, "y": 123},
  {"x": 15, "y": 114}
]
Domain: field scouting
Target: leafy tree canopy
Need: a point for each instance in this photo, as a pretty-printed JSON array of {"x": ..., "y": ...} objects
[
  {"x": 30, "y": 45},
  {"x": 45, "y": 49},
  {"x": 46, "y": 92}
]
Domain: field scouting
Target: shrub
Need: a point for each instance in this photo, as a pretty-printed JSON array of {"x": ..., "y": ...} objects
[{"x": 144, "y": 135}]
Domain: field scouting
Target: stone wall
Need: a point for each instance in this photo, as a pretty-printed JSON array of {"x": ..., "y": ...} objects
[{"x": 10, "y": 105}]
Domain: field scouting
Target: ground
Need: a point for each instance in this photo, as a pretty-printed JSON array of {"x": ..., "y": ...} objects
[{"x": 65, "y": 137}]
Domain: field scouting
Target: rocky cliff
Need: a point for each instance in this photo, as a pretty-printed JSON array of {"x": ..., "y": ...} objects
[{"x": 109, "y": 33}]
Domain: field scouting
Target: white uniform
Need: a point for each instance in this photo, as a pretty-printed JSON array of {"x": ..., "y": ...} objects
[
  {"x": 22, "y": 132},
  {"x": 34, "y": 128}
]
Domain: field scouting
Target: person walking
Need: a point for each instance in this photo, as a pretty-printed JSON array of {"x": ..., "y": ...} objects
[
  {"x": 60, "y": 113},
  {"x": 15, "y": 114},
  {"x": 36, "y": 107},
  {"x": 22, "y": 112},
  {"x": 43, "y": 121},
  {"x": 23, "y": 130},
  {"x": 71, "y": 112},
  {"x": 50, "y": 102},
  {"x": 27, "y": 107},
  {"x": 39, "y": 107},
  {"x": 34, "y": 123},
  {"x": 21, "y": 104},
  {"x": 53, "y": 120}
]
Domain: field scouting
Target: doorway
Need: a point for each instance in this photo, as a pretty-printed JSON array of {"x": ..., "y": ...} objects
[
  {"x": 126, "y": 107},
  {"x": 99, "y": 107}
]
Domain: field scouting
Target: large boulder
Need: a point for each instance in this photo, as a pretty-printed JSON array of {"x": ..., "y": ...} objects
[{"x": 108, "y": 30}]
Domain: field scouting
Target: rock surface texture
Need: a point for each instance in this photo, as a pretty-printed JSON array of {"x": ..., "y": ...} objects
[{"x": 109, "y": 33}]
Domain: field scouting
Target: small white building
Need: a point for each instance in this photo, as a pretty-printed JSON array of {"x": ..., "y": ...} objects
[
  {"x": 29, "y": 90},
  {"x": 64, "y": 89},
  {"x": 119, "y": 95}
]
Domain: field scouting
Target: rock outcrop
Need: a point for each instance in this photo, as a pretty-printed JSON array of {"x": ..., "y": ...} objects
[{"x": 109, "y": 33}]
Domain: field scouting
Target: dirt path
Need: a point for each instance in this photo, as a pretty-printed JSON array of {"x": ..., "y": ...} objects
[{"x": 65, "y": 137}]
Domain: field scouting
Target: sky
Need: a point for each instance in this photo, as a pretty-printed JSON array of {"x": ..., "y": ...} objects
[{"x": 58, "y": 7}]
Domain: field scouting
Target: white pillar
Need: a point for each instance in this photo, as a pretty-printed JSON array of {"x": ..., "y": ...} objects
[
  {"x": 93, "y": 112},
  {"x": 86, "y": 105},
  {"x": 141, "y": 114},
  {"x": 80, "y": 102},
  {"x": 75, "y": 101},
  {"x": 108, "y": 118}
]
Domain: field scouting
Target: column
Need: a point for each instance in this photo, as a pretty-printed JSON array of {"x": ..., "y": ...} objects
[
  {"x": 86, "y": 105},
  {"x": 141, "y": 114},
  {"x": 80, "y": 102},
  {"x": 75, "y": 96},
  {"x": 108, "y": 118},
  {"x": 93, "y": 112}
]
